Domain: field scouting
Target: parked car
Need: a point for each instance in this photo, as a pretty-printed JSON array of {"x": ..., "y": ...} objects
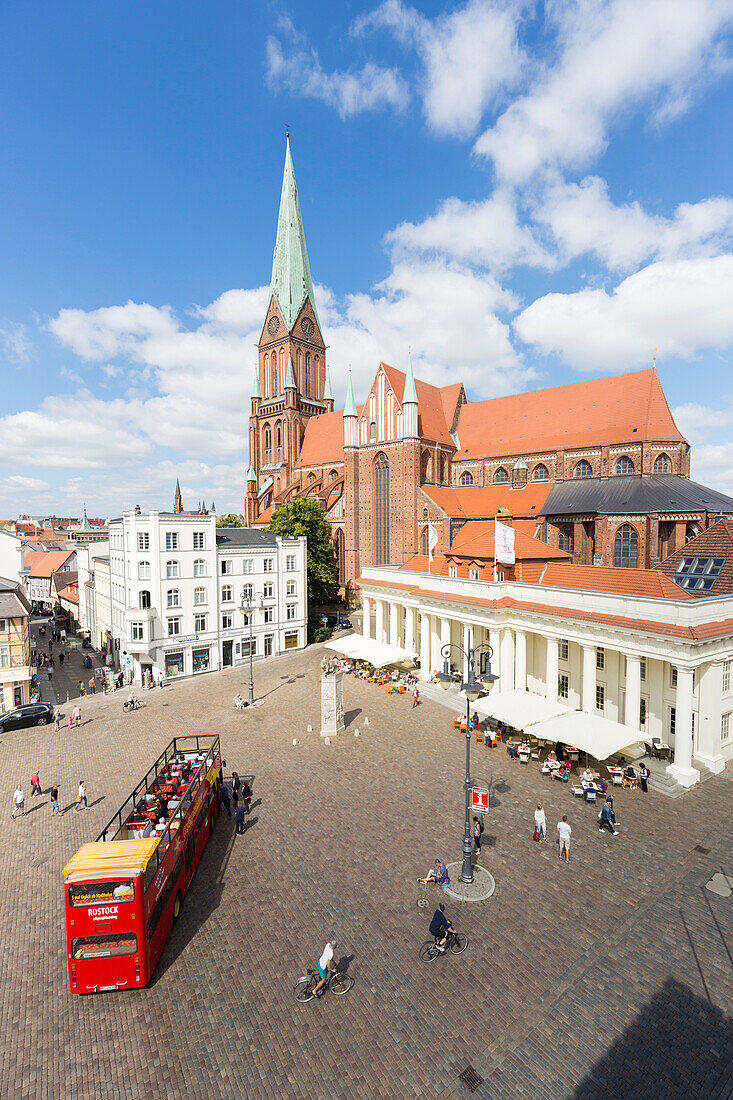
[{"x": 38, "y": 714}]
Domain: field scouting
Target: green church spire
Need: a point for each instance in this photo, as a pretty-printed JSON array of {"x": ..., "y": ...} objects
[
  {"x": 327, "y": 391},
  {"x": 350, "y": 406},
  {"x": 256, "y": 390},
  {"x": 410, "y": 393},
  {"x": 291, "y": 277}
]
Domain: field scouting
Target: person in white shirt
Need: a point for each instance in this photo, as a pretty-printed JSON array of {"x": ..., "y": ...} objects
[
  {"x": 540, "y": 822},
  {"x": 586, "y": 778},
  {"x": 325, "y": 963},
  {"x": 564, "y": 832},
  {"x": 18, "y": 801}
]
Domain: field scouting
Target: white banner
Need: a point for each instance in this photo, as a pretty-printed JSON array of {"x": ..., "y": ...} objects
[
  {"x": 504, "y": 543},
  {"x": 432, "y": 540}
]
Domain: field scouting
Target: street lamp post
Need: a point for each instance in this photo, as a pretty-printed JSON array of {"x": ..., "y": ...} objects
[
  {"x": 473, "y": 690},
  {"x": 247, "y": 607}
]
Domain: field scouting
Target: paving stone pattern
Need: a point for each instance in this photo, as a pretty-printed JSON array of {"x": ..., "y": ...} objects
[{"x": 607, "y": 976}]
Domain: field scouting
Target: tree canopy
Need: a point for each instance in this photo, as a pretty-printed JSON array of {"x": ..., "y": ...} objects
[
  {"x": 306, "y": 517},
  {"x": 231, "y": 521}
]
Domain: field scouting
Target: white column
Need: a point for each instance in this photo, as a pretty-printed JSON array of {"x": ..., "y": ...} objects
[
  {"x": 436, "y": 662},
  {"x": 633, "y": 693},
  {"x": 366, "y": 622},
  {"x": 682, "y": 769},
  {"x": 520, "y": 660},
  {"x": 425, "y": 668},
  {"x": 711, "y": 712},
  {"x": 468, "y": 640},
  {"x": 553, "y": 655},
  {"x": 444, "y": 640},
  {"x": 410, "y": 629},
  {"x": 589, "y": 679},
  {"x": 495, "y": 643},
  {"x": 379, "y": 621},
  {"x": 394, "y": 624},
  {"x": 507, "y": 660}
]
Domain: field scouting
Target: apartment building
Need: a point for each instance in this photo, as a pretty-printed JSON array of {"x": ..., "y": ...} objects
[{"x": 15, "y": 645}]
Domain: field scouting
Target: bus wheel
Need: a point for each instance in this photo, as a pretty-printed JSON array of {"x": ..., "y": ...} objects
[{"x": 177, "y": 906}]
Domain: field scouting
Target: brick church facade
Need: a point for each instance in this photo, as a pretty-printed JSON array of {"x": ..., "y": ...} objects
[{"x": 597, "y": 470}]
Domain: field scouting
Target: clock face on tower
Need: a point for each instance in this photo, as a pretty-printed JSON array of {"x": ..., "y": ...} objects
[
  {"x": 273, "y": 325},
  {"x": 308, "y": 327}
]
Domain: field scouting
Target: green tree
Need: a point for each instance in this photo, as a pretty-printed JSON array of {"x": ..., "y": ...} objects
[
  {"x": 306, "y": 517},
  {"x": 231, "y": 521}
]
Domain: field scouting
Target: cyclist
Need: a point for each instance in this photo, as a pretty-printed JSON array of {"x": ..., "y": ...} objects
[
  {"x": 325, "y": 963},
  {"x": 131, "y": 699},
  {"x": 440, "y": 926}
]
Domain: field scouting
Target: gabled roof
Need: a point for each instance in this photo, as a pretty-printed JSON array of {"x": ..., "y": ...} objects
[
  {"x": 634, "y": 494},
  {"x": 291, "y": 277},
  {"x": 624, "y": 408},
  {"x": 483, "y": 502},
  {"x": 323, "y": 441},
  {"x": 431, "y": 422},
  {"x": 45, "y": 564},
  {"x": 600, "y": 578},
  {"x": 476, "y": 540},
  {"x": 717, "y": 542}
]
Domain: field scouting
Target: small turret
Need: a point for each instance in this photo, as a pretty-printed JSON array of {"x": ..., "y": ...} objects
[
  {"x": 409, "y": 403},
  {"x": 350, "y": 417},
  {"x": 328, "y": 392}
]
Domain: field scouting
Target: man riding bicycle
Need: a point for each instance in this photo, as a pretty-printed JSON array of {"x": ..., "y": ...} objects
[
  {"x": 131, "y": 698},
  {"x": 440, "y": 926},
  {"x": 325, "y": 963}
]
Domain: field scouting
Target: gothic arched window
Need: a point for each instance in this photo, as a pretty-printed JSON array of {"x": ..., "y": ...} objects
[
  {"x": 624, "y": 466},
  {"x": 583, "y": 469},
  {"x": 692, "y": 530},
  {"x": 501, "y": 476},
  {"x": 566, "y": 537},
  {"x": 467, "y": 478},
  {"x": 268, "y": 442},
  {"x": 425, "y": 466},
  {"x": 340, "y": 558},
  {"x": 278, "y": 441},
  {"x": 625, "y": 547},
  {"x": 662, "y": 465},
  {"x": 540, "y": 473},
  {"x": 316, "y": 372},
  {"x": 424, "y": 544},
  {"x": 273, "y": 375},
  {"x": 307, "y": 374},
  {"x": 381, "y": 509}
]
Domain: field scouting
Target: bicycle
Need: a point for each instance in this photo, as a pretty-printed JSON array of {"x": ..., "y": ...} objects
[
  {"x": 136, "y": 704},
  {"x": 336, "y": 982},
  {"x": 455, "y": 942}
]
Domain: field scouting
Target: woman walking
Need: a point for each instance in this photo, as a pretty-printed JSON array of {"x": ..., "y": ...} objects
[
  {"x": 540, "y": 822},
  {"x": 236, "y": 784}
]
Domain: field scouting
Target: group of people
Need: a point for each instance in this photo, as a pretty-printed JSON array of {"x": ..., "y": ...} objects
[
  {"x": 240, "y": 702},
  {"x": 241, "y": 796},
  {"x": 36, "y": 789},
  {"x": 514, "y": 748}
]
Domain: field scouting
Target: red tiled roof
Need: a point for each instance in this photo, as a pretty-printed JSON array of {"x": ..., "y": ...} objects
[
  {"x": 323, "y": 441},
  {"x": 476, "y": 540},
  {"x": 601, "y": 578},
  {"x": 717, "y": 541},
  {"x": 483, "y": 502},
  {"x": 431, "y": 420},
  {"x": 419, "y": 563},
  {"x": 44, "y": 564},
  {"x": 623, "y": 408}
]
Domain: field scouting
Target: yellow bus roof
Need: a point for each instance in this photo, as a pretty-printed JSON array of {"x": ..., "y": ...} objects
[{"x": 111, "y": 857}]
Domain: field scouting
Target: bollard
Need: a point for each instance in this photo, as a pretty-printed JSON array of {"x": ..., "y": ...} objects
[
  {"x": 309, "y": 729},
  {"x": 67, "y": 696},
  {"x": 356, "y": 733},
  {"x": 366, "y": 721},
  {"x": 295, "y": 740},
  {"x": 326, "y": 740}
]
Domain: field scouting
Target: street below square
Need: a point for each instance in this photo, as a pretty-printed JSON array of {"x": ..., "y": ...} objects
[{"x": 608, "y": 975}]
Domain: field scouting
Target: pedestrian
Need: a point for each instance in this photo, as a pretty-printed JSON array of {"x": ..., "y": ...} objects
[
  {"x": 18, "y": 801},
  {"x": 92, "y": 686},
  {"x": 50, "y": 671},
  {"x": 239, "y": 812},
  {"x": 564, "y": 833},
  {"x": 478, "y": 828},
  {"x": 605, "y": 821},
  {"x": 35, "y": 783},
  {"x": 50, "y": 645},
  {"x": 81, "y": 687},
  {"x": 81, "y": 798},
  {"x": 415, "y": 698},
  {"x": 540, "y": 823},
  {"x": 61, "y": 658},
  {"x": 643, "y": 777},
  {"x": 246, "y": 796},
  {"x": 76, "y": 714},
  {"x": 236, "y": 784},
  {"x": 55, "y": 800},
  {"x": 71, "y": 719},
  {"x": 56, "y": 720},
  {"x": 224, "y": 799}
]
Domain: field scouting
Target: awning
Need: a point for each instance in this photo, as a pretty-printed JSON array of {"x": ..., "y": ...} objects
[
  {"x": 519, "y": 708},
  {"x": 599, "y": 737},
  {"x": 379, "y": 654}
]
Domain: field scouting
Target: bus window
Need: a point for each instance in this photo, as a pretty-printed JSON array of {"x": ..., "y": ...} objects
[
  {"x": 97, "y": 947},
  {"x": 199, "y": 821},
  {"x": 100, "y": 893}
]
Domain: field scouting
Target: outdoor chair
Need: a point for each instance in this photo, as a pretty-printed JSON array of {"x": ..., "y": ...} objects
[
  {"x": 578, "y": 791},
  {"x": 618, "y": 781},
  {"x": 457, "y": 723},
  {"x": 590, "y": 796}
]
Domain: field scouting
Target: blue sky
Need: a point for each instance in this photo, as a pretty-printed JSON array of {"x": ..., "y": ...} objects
[{"x": 527, "y": 194}]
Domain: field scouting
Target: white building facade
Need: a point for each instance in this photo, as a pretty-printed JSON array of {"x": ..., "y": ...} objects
[
  {"x": 664, "y": 667},
  {"x": 177, "y": 585}
]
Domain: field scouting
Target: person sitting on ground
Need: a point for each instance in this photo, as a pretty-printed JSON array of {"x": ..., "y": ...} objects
[
  {"x": 439, "y": 874},
  {"x": 440, "y": 926}
]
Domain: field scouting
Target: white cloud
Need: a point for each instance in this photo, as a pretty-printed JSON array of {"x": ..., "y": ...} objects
[
  {"x": 16, "y": 483},
  {"x": 583, "y": 219},
  {"x": 612, "y": 56},
  {"x": 678, "y": 306},
  {"x": 713, "y": 465},
  {"x": 486, "y": 233},
  {"x": 348, "y": 92},
  {"x": 696, "y": 421},
  {"x": 469, "y": 56},
  {"x": 15, "y": 343}
]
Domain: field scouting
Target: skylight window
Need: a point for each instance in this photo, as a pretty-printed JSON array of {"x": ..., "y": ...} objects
[{"x": 698, "y": 574}]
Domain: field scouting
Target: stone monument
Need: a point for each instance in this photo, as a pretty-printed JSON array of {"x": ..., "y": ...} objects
[{"x": 332, "y": 698}]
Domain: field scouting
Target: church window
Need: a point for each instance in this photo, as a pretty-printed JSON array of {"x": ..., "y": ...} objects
[
  {"x": 540, "y": 472},
  {"x": 278, "y": 441},
  {"x": 424, "y": 545},
  {"x": 316, "y": 372},
  {"x": 307, "y": 374},
  {"x": 340, "y": 558},
  {"x": 625, "y": 547},
  {"x": 334, "y": 475},
  {"x": 566, "y": 537},
  {"x": 273, "y": 375},
  {"x": 381, "y": 510},
  {"x": 268, "y": 442},
  {"x": 692, "y": 530},
  {"x": 425, "y": 466},
  {"x": 467, "y": 478},
  {"x": 442, "y": 470},
  {"x": 583, "y": 469},
  {"x": 372, "y": 432},
  {"x": 501, "y": 476},
  {"x": 624, "y": 466},
  {"x": 662, "y": 465}
]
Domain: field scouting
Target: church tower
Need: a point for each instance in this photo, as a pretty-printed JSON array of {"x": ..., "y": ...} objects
[{"x": 290, "y": 383}]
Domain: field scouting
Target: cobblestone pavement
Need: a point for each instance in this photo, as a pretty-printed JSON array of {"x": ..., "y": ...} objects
[
  {"x": 67, "y": 676},
  {"x": 607, "y": 976}
]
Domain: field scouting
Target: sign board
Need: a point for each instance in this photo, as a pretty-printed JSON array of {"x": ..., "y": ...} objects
[{"x": 480, "y": 799}]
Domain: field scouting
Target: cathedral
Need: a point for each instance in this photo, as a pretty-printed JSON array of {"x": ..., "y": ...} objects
[{"x": 597, "y": 471}]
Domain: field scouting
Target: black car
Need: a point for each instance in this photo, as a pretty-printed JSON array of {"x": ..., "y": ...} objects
[{"x": 38, "y": 714}]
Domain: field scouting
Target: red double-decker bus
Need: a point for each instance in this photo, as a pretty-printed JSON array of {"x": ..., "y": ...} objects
[{"x": 124, "y": 891}]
